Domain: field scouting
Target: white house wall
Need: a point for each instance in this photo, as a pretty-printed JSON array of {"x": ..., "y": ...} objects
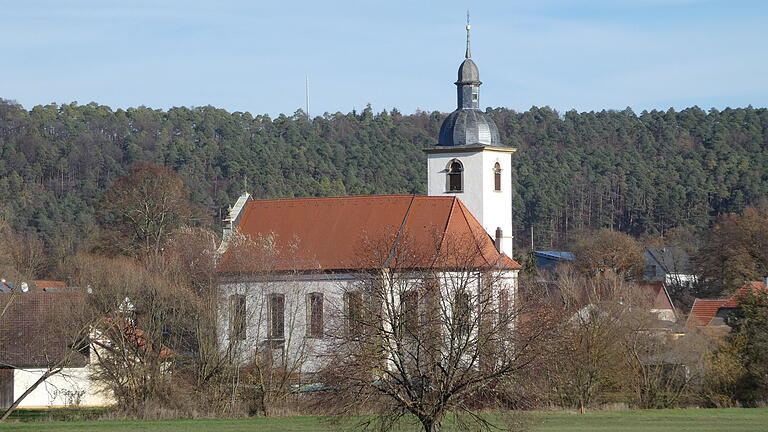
[{"x": 62, "y": 389}]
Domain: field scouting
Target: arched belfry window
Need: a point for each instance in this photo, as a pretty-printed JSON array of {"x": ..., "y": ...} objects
[
  {"x": 497, "y": 177},
  {"x": 455, "y": 179}
]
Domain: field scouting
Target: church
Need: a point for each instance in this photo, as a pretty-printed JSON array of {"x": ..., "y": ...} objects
[{"x": 280, "y": 295}]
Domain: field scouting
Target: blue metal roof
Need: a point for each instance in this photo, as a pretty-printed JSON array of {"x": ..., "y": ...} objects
[{"x": 558, "y": 255}]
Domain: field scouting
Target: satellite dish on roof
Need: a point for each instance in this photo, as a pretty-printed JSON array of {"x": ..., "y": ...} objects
[{"x": 24, "y": 287}]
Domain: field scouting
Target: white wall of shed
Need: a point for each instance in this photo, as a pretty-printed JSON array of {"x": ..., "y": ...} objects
[{"x": 58, "y": 390}]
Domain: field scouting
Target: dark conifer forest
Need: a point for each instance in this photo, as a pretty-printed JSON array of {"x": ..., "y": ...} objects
[{"x": 642, "y": 174}]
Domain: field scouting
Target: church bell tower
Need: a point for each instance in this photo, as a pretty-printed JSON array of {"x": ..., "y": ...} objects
[{"x": 470, "y": 162}]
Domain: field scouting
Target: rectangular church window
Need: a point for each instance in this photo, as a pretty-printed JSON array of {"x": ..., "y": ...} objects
[
  {"x": 504, "y": 313},
  {"x": 410, "y": 311},
  {"x": 315, "y": 315},
  {"x": 462, "y": 315},
  {"x": 354, "y": 306},
  {"x": 276, "y": 316},
  {"x": 237, "y": 317}
]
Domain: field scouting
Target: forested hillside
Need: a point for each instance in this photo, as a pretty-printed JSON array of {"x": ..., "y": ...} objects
[{"x": 642, "y": 174}]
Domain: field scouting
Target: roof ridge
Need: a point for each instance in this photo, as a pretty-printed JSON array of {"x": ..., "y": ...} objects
[
  {"x": 399, "y": 232},
  {"x": 351, "y": 197},
  {"x": 469, "y": 225},
  {"x": 445, "y": 227}
]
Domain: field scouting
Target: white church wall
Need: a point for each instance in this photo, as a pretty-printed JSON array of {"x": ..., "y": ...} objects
[
  {"x": 497, "y": 205},
  {"x": 492, "y": 208},
  {"x": 472, "y": 193},
  {"x": 297, "y": 348},
  {"x": 304, "y": 352}
]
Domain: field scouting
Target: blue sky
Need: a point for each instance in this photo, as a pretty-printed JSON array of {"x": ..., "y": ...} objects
[{"x": 254, "y": 56}]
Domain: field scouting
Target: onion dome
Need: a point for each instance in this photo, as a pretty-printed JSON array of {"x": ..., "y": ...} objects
[{"x": 468, "y": 125}]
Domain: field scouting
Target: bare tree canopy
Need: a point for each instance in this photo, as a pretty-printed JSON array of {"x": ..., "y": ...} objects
[
  {"x": 607, "y": 250},
  {"x": 415, "y": 342},
  {"x": 23, "y": 256},
  {"x": 735, "y": 251},
  {"x": 141, "y": 210}
]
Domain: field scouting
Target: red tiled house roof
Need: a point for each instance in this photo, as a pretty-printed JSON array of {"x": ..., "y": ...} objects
[
  {"x": 704, "y": 311},
  {"x": 752, "y": 287},
  {"x": 37, "y": 330},
  {"x": 121, "y": 328},
  {"x": 333, "y": 233},
  {"x": 661, "y": 298}
]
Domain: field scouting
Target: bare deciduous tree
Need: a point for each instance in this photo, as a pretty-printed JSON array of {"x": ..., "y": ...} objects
[
  {"x": 24, "y": 257},
  {"x": 265, "y": 314},
  {"x": 135, "y": 309},
  {"x": 142, "y": 209},
  {"x": 432, "y": 329},
  {"x": 609, "y": 251},
  {"x": 612, "y": 344}
]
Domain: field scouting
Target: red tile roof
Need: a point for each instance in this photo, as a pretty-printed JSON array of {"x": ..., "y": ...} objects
[
  {"x": 752, "y": 287},
  {"x": 703, "y": 311},
  {"x": 333, "y": 233},
  {"x": 37, "y": 328},
  {"x": 48, "y": 284},
  {"x": 660, "y": 298},
  {"x": 111, "y": 328}
]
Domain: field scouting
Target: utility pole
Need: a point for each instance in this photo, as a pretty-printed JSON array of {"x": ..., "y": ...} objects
[{"x": 306, "y": 95}]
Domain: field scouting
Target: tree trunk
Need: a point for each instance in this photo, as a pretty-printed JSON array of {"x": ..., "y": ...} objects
[
  {"x": 430, "y": 424},
  {"x": 48, "y": 373}
]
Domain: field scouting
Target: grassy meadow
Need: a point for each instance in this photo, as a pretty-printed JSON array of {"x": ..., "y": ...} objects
[{"x": 680, "y": 420}]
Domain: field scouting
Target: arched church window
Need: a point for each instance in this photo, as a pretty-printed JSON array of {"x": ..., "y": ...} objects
[
  {"x": 455, "y": 172},
  {"x": 497, "y": 177}
]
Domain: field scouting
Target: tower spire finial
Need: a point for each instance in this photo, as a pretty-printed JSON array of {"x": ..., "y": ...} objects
[{"x": 468, "y": 54}]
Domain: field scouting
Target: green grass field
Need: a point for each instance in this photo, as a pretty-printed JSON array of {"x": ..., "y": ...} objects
[{"x": 698, "y": 420}]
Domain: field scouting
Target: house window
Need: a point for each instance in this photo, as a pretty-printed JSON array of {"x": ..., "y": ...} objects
[
  {"x": 497, "y": 177},
  {"x": 455, "y": 173},
  {"x": 276, "y": 316},
  {"x": 354, "y": 305},
  {"x": 650, "y": 272},
  {"x": 237, "y": 317},
  {"x": 315, "y": 315},
  {"x": 474, "y": 96}
]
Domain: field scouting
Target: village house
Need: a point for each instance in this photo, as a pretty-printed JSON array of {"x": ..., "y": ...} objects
[
  {"x": 711, "y": 314},
  {"x": 36, "y": 337},
  {"x": 667, "y": 264}
]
